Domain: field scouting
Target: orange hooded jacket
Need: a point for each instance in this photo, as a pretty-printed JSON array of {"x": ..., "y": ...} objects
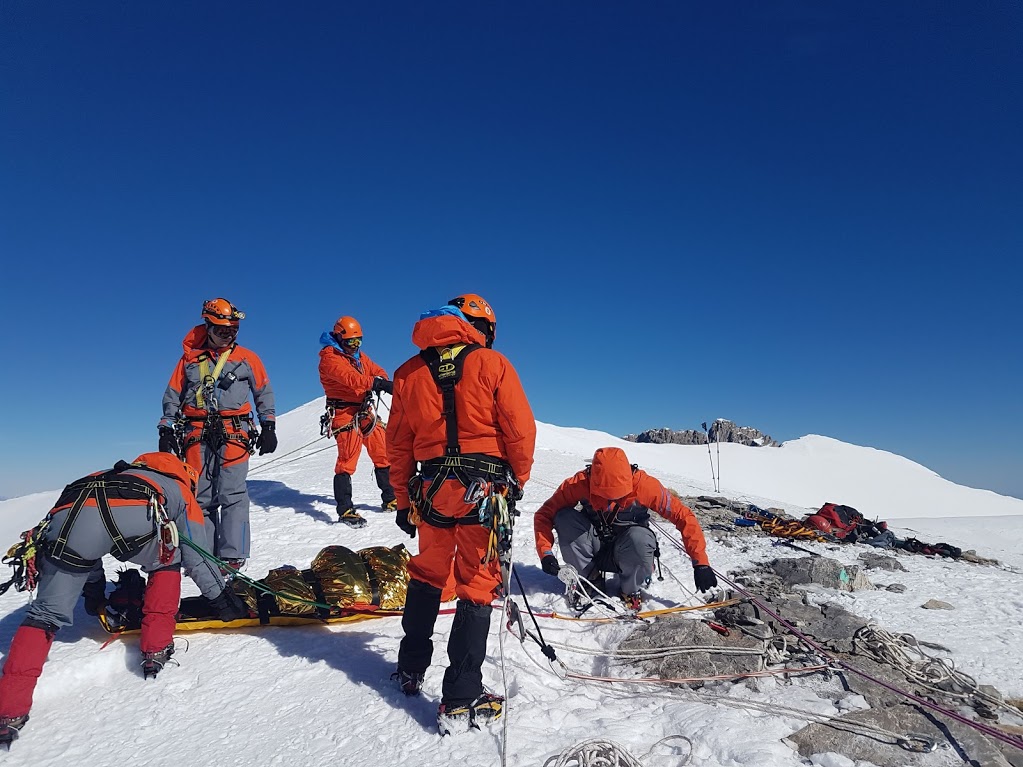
[
  {"x": 244, "y": 364},
  {"x": 494, "y": 417},
  {"x": 346, "y": 378},
  {"x": 611, "y": 478}
]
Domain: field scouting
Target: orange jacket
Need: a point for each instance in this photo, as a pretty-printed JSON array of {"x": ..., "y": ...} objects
[
  {"x": 345, "y": 377},
  {"x": 244, "y": 372},
  {"x": 611, "y": 478},
  {"x": 494, "y": 417}
]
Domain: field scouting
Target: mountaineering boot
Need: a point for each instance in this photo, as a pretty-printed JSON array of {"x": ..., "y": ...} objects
[
  {"x": 410, "y": 682},
  {"x": 153, "y": 662},
  {"x": 10, "y": 727},
  {"x": 352, "y": 518},
  {"x": 422, "y": 603},
  {"x": 632, "y": 601},
  {"x": 343, "y": 496},
  {"x": 455, "y": 718},
  {"x": 467, "y": 649},
  {"x": 383, "y": 477}
]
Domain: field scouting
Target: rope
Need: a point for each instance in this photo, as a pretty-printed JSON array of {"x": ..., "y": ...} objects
[
  {"x": 606, "y": 753},
  {"x": 993, "y": 732},
  {"x": 904, "y": 652},
  {"x": 267, "y": 464}
]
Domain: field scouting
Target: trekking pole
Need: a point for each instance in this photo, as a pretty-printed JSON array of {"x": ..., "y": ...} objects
[
  {"x": 717, "y": 443},
  {"x": 710, "y": 457}
]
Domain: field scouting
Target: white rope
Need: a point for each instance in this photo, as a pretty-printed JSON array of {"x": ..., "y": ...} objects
[
  {"x": 905, "y": 653},
  {"x": 597, "y": 752}
]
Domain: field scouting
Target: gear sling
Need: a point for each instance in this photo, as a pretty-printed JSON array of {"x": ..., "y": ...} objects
[
  {"x": 213, "y": 430},
  {"x": 476, "y": 471}
]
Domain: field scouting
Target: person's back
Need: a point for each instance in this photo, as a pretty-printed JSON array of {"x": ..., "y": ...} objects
[{"x": 458, "y": 412}]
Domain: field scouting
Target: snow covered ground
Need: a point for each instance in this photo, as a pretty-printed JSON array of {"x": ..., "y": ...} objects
[{"x": 312, "y": 695}]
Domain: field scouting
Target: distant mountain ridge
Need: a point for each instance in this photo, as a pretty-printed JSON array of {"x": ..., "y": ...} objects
[{"x": 722, "y": 430}]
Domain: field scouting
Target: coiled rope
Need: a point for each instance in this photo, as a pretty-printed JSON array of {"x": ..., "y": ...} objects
[{"x": 597, "y": 752}]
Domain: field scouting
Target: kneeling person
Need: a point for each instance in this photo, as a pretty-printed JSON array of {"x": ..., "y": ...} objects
[
  {"x": 610, "y": 532},
  {"x": 137, "y": 512}
]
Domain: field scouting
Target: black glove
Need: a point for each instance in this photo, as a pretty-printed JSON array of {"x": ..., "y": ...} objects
[
  {"x": 401, "y": 520},
  {"x": 168, "y": 441},
  {"x": 383, "y": 385},
  {"x": 95, "y": 596},
  {"x": 229, "y": 606},
  {"x": 704, "y": 577},
  {"x": 266, "y": 442},
  {"x": 550, "y": 565}
]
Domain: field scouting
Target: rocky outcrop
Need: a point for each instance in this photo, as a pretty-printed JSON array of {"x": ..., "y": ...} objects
[{"x": 721, "y": 430}]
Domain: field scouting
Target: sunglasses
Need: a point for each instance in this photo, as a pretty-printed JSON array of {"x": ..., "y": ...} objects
[
  {"x": 224, "y": 331},
  {"x": 352, "y": 343}
]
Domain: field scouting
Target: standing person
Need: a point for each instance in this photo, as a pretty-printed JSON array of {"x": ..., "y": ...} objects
[
  {"x": 459, "y": 411},
  {"x": 610, "y": 531},
  {"x": 208, "y": 396},
  {"x": 350, "y": 379},
  {"x": 138, "y": 512}
]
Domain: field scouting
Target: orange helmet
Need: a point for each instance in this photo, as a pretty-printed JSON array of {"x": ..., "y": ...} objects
[
  {"x": 220, "y": 311},
  {"x": 818, "y": 522},
  {"x": 479, "y": 314},
  {"x": 347, "y": 327}
]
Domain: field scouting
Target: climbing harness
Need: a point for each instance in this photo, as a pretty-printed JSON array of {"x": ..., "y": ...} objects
[{"x": 365, "y": 419}]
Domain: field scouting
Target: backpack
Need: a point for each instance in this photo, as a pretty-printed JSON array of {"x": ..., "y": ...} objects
[{"x": 838, "y": 520}]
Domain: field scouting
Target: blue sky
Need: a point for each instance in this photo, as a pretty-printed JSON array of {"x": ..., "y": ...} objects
[{"x": 804, "y": 217}]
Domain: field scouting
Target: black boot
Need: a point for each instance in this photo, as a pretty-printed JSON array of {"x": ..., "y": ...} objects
[
  {"x": 422, "y": 604},
  {"x": 153, "y": 662},
  {"x": 383, "y": 477},
  {"x": 467, "y": 649},
  {"x": 10, "y": 727},
  {"x": 343, "y": 495}
]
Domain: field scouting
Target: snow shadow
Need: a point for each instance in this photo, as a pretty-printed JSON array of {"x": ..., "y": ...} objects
[
  {"x": 362, "y": 657},
  {"x": 269, "y": 493},
  {"x": 85, "y": 625}
]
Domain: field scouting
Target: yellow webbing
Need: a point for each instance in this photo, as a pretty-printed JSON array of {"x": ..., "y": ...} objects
[{"x": 204, "y": 374}]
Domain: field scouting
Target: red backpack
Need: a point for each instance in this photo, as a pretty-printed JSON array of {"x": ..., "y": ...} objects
[{"x": 836, "y": 519}]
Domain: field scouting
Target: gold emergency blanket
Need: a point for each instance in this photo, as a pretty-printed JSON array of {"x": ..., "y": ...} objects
[{"x": 390, "y": 567}]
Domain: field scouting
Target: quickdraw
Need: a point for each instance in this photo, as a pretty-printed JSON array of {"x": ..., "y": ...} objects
[
  {"x": 169, "y": 539},
  {"x": 22, "y": 558}
]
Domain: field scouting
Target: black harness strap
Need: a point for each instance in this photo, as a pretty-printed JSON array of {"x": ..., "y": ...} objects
[
  {"x": 446, "y": 369},
  {"x": 101, "y": 487}
]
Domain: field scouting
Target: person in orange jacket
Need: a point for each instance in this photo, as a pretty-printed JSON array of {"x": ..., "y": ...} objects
[
  {"x": 208, "y": 395},
  {"x": 350, "y": 379},
  {"x": 460, "y": 413},
  {"x": 601, "y": 516},
  {"x": 139, "y": 512}
]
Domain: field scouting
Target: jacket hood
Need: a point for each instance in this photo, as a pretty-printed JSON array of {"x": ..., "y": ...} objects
[
  {"x": 443, "y": 328},
  {"x": 195, "y": 339},
  {"x": 327, "y": 339},
  {"x": 611, "y": 473},
  {"x": 171, "y": 465}
]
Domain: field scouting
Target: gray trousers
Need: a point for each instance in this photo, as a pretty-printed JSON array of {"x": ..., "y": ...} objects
[
  {"x": 224, "y": 499},
  {"x": 631, "y": 552}
]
